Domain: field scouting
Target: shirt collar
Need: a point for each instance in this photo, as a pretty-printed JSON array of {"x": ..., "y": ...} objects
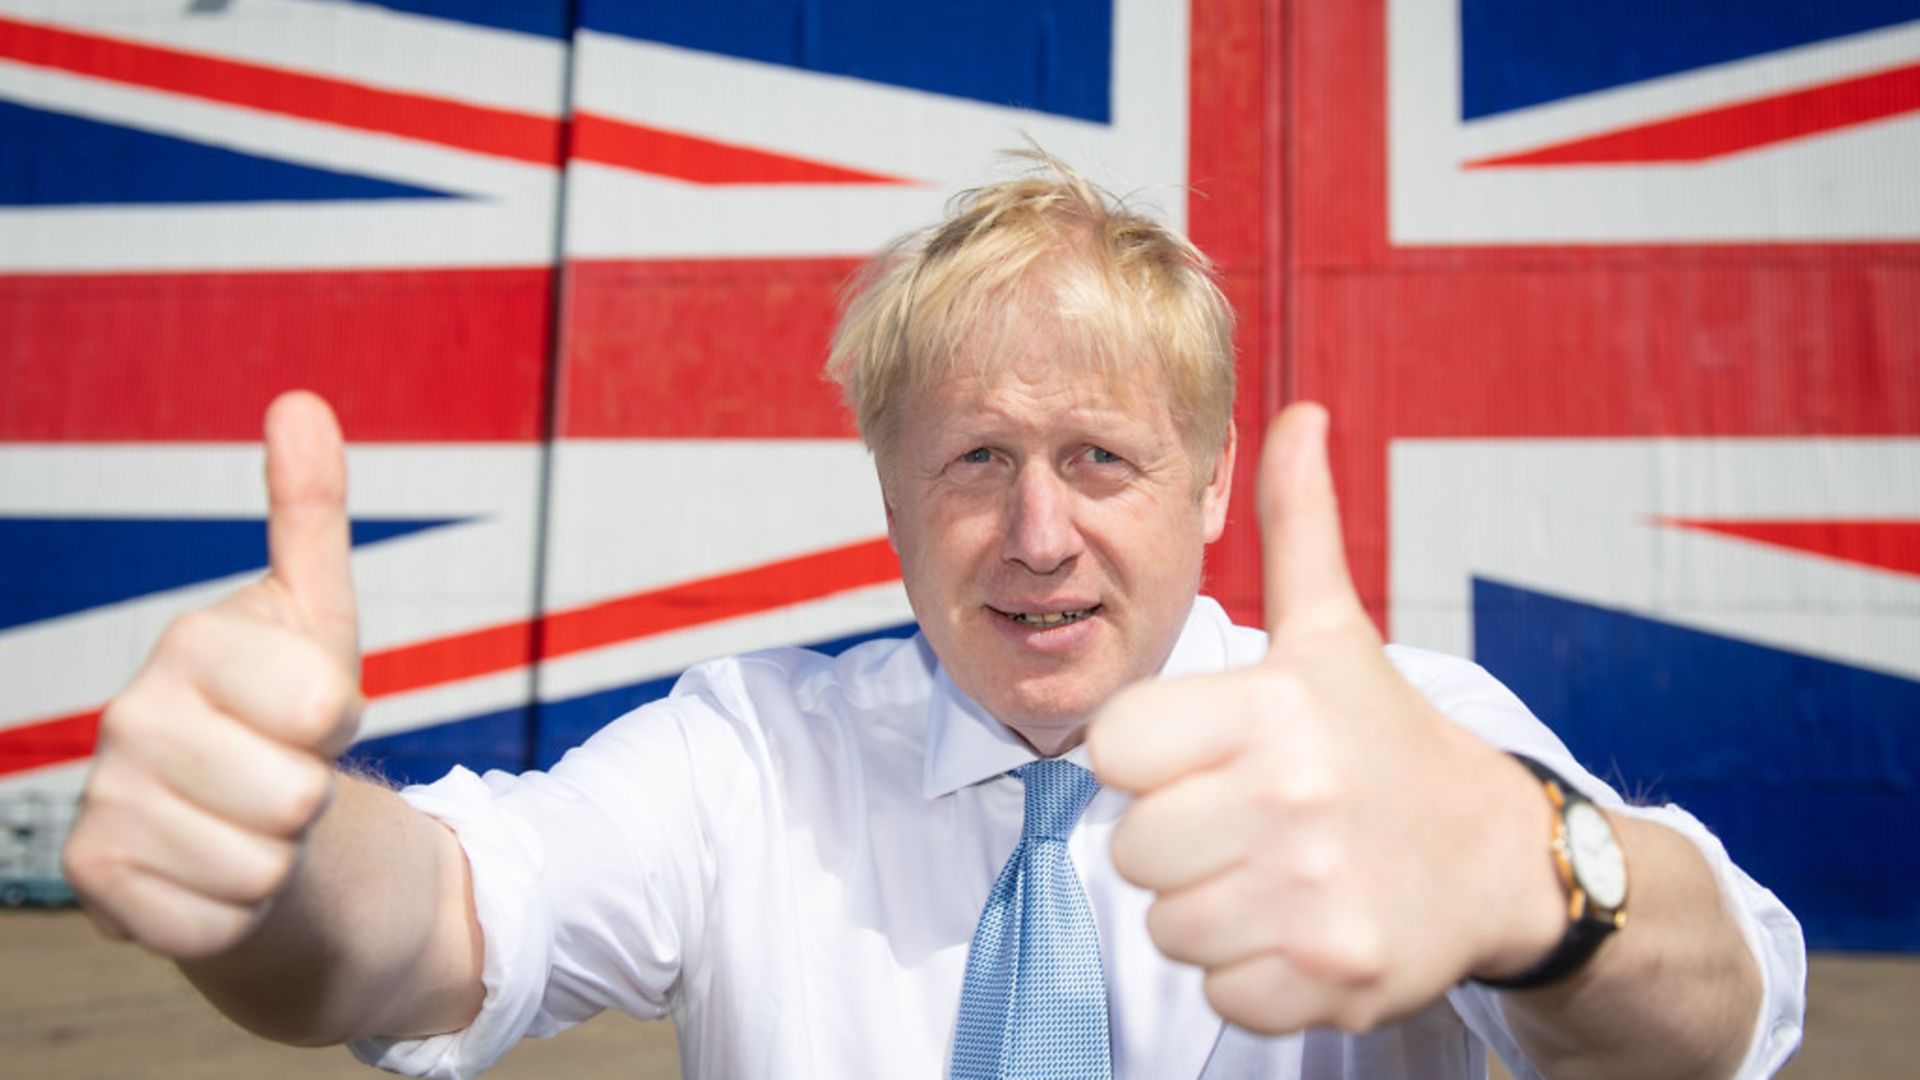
[{"x": 966, "y": 745}]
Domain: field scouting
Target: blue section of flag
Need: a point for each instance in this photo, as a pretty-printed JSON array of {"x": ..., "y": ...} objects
[
  {"x": 1516, "y": 53},
  {"x": 52, "y": 159},
  {"x": 1055, "y": 56},
  {"x": 495, "y": 740},
  {"x": 1808, "y": 770},
  {"x": 545, "y": 18},
  {"x": 520, "y": 738},
  {"x": 58, "y": 566}
]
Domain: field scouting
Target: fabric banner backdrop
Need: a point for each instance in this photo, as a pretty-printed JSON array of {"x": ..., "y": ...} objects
[{"x": 1618, "y": 312}]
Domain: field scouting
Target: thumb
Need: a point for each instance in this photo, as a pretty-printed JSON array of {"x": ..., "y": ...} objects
[
  {"x": 1308, "y": 589},
  {"x": 308, "y": 542}
]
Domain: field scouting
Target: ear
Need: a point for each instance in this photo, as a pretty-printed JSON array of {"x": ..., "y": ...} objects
[{"x": 1219, "y": 490}]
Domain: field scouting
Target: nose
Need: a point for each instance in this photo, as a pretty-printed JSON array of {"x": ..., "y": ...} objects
[{"x": 1042, "y": 533}]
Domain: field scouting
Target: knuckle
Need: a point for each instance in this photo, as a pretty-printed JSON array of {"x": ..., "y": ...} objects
[
  {"x": 192, "y": 632},
  {"x": 115, "y": 807},
  {"x": 1313, "y": 872},
  {"x": 119, "y": 716},
  {"x": 132, "y": 716},
  {"x": 1102, "y": 747},
  {"x": 104, "y": 787},
  {"x": 1228, "y": 993},
  {"x": 1218, "y": 992},
  {"x": 79, "y": 859},
  {"x": 1306, "y": 786},
  {"x": 1280, "y": 689},
  {"x": 1364, "y": 956},
  {"x": 1115, "y": 731},
  {"x": 1129, "y": 852},
  {"x": 201, "y": 937},
  {"x": 92, "y": 862},
  {"x": 1179, "y": 926},
  {"x": 265, "y": 874},
  {"x": 1166, "y": 929},
  {"x": 302, "y": 797},
  {"x": 1353, "y": 954},
  {"x": 321, "y": 706}
]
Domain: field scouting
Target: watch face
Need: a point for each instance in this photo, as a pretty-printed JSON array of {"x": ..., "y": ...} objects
[{"x": 1595, "y": 855}]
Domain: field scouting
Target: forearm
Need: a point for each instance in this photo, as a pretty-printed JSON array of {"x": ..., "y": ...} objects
[
  {"x": 1674, "y": 994},
  {"x": 374, "y": 935}
]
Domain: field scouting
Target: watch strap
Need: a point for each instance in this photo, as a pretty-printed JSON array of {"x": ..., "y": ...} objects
[
  {"x": 1587, "y": 927},
  {"x": 1575, "y": 948}
]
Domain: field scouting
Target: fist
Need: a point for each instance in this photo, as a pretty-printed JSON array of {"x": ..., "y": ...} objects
[
  {"x": 216, "y": 759},
  {"x": 1322, "y": 841}
]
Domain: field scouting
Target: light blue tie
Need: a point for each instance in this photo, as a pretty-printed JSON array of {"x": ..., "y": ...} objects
[{"x": 1034, "y": 1005}]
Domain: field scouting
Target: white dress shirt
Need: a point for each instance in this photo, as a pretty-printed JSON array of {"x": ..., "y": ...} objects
[{"x": 789, "y": 854}]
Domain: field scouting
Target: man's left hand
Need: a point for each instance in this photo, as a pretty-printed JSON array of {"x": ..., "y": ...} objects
[{"x": 1326, "y": 844}]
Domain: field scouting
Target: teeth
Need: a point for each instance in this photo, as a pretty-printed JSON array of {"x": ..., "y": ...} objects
[{"x": 1051, "y": 618}]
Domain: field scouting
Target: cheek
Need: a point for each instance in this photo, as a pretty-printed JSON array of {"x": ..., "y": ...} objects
[
  {"x": 1145, "y": 534},
  {"x": 962, "y": 526},
  {"x": 939, "y": 553},
  {"x": 1155, "y": 559}
]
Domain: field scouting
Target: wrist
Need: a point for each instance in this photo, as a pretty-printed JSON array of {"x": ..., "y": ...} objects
[
  {"x": 1588, "y": 859},
  {"x": 1527, "y": 912}
]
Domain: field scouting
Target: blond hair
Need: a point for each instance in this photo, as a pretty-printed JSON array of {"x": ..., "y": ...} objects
[{"x": 1124, "y": 291}]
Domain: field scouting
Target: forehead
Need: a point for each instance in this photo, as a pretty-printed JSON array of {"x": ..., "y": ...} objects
[
  {"x": 1040, "y": 387},
  {"x": 1027, "y": 345}
]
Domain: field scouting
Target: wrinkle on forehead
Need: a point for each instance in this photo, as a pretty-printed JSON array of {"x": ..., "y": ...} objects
[
  {"x": 1050, "y": 364},
  {"x": 1043, "y": 389},
  {"x": 1033, "y": 338}
]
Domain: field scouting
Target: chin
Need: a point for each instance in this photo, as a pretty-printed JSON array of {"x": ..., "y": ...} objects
[
  {"x": 1047, "y": 717},
  {"x": 1050, "y": 740}
]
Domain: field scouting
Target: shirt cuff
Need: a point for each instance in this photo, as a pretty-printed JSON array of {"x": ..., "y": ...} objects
[
  {"x": 504, "y": 857},
  {"x": 1773, "y": 938},
  {"x": 1770, "y": 931}
]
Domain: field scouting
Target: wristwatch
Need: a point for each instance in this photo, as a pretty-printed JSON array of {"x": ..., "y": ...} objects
[{"x": 1592, "y": 869}]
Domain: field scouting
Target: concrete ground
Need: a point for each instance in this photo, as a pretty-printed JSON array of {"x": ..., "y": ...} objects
[{"x": 74, "y": 1006}]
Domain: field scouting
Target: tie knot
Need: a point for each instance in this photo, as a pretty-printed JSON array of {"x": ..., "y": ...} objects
[{"x": 1057, "y": 792}]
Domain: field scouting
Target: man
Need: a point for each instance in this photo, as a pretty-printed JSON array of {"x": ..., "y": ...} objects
[{"x": 891, "y": 863}]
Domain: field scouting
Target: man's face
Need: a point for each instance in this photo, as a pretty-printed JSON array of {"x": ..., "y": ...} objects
[{"x": 1050, "y": 526}]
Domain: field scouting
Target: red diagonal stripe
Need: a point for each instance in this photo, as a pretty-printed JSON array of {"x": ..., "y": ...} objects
[
  {"x": 701, "y": 161},
  {"x": 498, "y": 132},
  {"x": 1710, "y": 134},
  {"x": 48, "y": 742},
  {"x": 511, "y": 645},
  {"x": 724, "y": 596},
  {"x": 514, "y": 645},
  {"x": 1882, "y": 543}
]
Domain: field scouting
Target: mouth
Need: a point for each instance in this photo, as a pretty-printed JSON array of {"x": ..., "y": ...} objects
[{"x": 1048, "y": 619}]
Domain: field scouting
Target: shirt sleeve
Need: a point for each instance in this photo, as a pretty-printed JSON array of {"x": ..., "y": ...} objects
[
  {"x": 1476, "y": 700},
  {"x": 588, "y": 883}
]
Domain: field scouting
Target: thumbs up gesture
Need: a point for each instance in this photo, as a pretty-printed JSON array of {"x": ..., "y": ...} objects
[
  {"x": 1322, "y": 841},
  {"x": 216, "y": 759}
]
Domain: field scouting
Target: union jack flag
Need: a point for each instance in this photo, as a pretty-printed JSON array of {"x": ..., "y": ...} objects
[
  {"x": 1617, "y": 310},
  {"x": 569, "y": 286},
  {"x": 1640, "y": 364}
]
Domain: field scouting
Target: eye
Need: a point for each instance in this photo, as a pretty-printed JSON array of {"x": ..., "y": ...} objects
[
  {"x": 1102, "y": 456},
  {"x": 979, "y": 455}
]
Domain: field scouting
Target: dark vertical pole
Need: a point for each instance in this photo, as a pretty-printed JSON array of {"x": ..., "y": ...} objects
[
  {"x": 1279, "y": 382},
  {"x": 552, "y": 387}
]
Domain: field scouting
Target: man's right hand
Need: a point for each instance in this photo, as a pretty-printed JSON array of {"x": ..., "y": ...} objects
[{"x": 217, "y": 759}]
